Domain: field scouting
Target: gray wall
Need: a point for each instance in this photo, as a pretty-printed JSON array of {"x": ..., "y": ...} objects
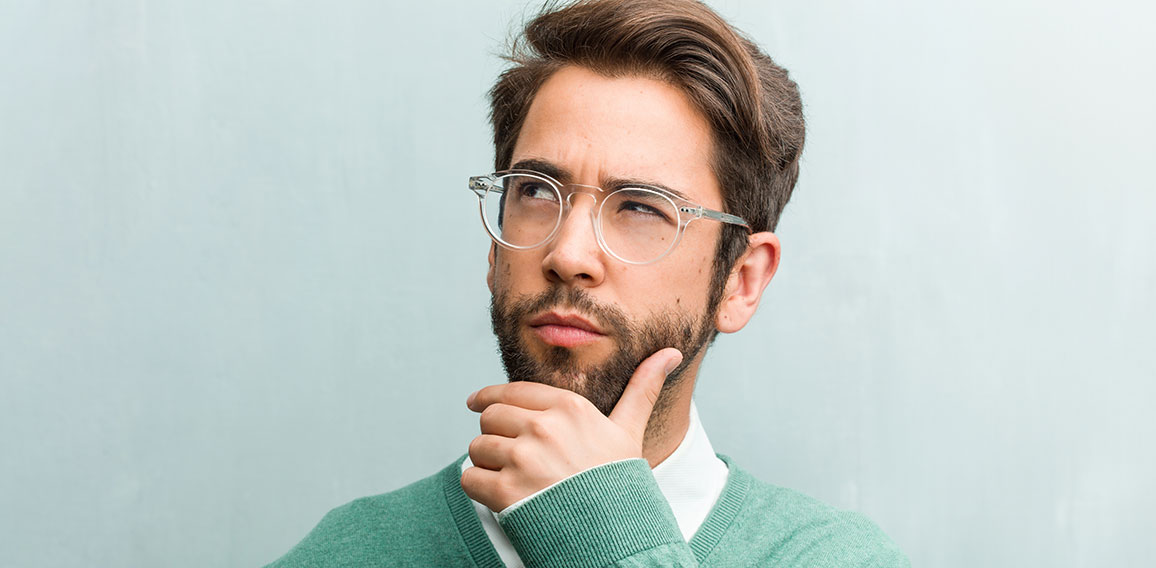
[{"x": 241, "y": 280}]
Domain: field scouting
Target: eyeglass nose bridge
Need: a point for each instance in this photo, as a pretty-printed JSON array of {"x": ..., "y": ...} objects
[
  {"x": 594, "y": 197},
  {"x": 570, "y": 194}
]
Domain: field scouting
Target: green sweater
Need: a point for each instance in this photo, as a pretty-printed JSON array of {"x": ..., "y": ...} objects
[{"x": 611, "y": 515}]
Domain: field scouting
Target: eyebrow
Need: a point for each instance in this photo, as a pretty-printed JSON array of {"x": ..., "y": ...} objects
[
  {"x": 543, "y": 167},
  {"x": 562, "y": 175}
]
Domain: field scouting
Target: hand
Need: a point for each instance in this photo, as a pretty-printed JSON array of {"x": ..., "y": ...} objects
[{"x": 534, "y": 435}]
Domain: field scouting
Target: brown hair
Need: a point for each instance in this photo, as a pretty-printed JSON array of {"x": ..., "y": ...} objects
[{"x": 753, "y": 107}]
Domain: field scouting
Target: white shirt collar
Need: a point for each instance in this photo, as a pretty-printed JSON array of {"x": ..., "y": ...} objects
[{"x": 692, "y": 479}]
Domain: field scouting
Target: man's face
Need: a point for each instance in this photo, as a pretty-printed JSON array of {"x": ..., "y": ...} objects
[{"x": 567, "y": 313}]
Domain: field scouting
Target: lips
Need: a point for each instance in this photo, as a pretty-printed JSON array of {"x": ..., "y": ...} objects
[
  {"x": 565, "y": 330},
  {"x": 575, "y": 321}
]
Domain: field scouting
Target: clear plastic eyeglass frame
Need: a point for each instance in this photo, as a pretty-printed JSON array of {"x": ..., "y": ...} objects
[{"x": 687, "y": 210}]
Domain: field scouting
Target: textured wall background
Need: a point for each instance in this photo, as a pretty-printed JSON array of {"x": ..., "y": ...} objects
[{"x": 241, "y": 279}]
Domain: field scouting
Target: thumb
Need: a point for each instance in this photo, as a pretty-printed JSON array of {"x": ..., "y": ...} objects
[{"x": 633, "y": 410}]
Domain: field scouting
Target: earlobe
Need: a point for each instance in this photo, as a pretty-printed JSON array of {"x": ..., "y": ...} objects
[{"x": 748, "y": 279}]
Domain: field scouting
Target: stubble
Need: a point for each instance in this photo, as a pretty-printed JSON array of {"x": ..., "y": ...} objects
[{"x": 602, "y": 384}]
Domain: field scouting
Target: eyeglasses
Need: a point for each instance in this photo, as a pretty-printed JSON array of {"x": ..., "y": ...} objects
[{"x": 637, "y": 224}]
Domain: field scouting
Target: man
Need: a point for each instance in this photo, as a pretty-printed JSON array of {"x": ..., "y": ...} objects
[{"x": 645, "y": 151}]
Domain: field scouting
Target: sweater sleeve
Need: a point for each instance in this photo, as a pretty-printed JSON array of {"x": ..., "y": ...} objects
[{"x": 610, "y": 515}]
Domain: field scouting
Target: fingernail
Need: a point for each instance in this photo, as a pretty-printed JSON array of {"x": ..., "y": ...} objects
[
  {"x": 672, "y": 363},
  {"x": 470, "y": 399}
]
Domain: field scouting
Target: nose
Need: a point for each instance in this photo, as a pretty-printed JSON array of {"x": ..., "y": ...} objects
[{"x": 573, "y": 256}]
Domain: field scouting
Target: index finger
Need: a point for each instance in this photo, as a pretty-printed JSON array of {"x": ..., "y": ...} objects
[{"x": 523, "y": 394}]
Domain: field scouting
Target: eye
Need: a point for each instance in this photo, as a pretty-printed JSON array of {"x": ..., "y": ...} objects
[
  {"x": 532, "y": 190},
  {"x": 643, "y": 210},
  {"x": 636, "y": 207}
]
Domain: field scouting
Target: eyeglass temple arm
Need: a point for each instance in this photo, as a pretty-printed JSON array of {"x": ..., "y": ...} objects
[{"x": 716, "y": 215}]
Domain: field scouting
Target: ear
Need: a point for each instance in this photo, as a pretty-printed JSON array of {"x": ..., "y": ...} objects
[
  {"x": 490, "y": 272},
  {"x": 748, "y": 279}
]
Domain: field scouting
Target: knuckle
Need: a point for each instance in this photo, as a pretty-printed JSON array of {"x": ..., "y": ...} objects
[
  {"x": 488, "y": 415},
  {"x": 575, "y": 403},
  {"x": 541, "y": 427},
  {"x": 475, "y": 446},
  {"x": 651, "y": 396},
  {"x": 488, "y": 395},
  {"x": 469, "y": 479},
  {"x": 519, "y": 455}
]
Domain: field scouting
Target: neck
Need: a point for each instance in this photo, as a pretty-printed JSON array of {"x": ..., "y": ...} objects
[{"x": 670, "y": 419}]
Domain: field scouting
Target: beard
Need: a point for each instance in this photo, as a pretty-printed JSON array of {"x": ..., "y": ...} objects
[{"x": 603, "y": 383}]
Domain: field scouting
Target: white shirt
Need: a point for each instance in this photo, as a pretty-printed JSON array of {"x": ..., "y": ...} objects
[{"x": 691, "y": 479}]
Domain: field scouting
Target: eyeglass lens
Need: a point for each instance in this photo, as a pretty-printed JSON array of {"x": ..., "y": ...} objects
[{"x": 636, "y": 224}]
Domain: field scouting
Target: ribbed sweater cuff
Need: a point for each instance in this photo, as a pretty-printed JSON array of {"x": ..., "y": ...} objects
[{"x": 595, "y": 518}]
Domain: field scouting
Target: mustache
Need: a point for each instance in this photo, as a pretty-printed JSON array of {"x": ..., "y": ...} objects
[{"x": 612, "y": 319}]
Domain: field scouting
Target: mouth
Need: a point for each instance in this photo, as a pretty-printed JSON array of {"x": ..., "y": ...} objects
[{"x": 565, "y": 330}]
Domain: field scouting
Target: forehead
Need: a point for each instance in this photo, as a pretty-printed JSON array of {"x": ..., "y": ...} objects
[{"x": 597, "y": 129}]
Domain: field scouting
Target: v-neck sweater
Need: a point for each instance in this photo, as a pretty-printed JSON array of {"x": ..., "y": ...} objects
[{"x": 611, "y": 515}]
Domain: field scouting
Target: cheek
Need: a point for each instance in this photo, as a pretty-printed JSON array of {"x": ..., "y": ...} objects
[
  {"x": 503, "y": 275},
  {"x": 697, "y": 266},
  {"x": 512, "y": 270},
  {"x": 682, "y": 290}
]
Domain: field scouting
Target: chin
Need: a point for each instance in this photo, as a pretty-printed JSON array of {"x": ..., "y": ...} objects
[{"x": 575, "y": 381}]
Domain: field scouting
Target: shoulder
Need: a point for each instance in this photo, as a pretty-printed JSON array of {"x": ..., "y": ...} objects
[
  {"x": 415, "y": 518},
  {"x": 394, "y": 510},
  {"x": 800, "y": 530}
]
